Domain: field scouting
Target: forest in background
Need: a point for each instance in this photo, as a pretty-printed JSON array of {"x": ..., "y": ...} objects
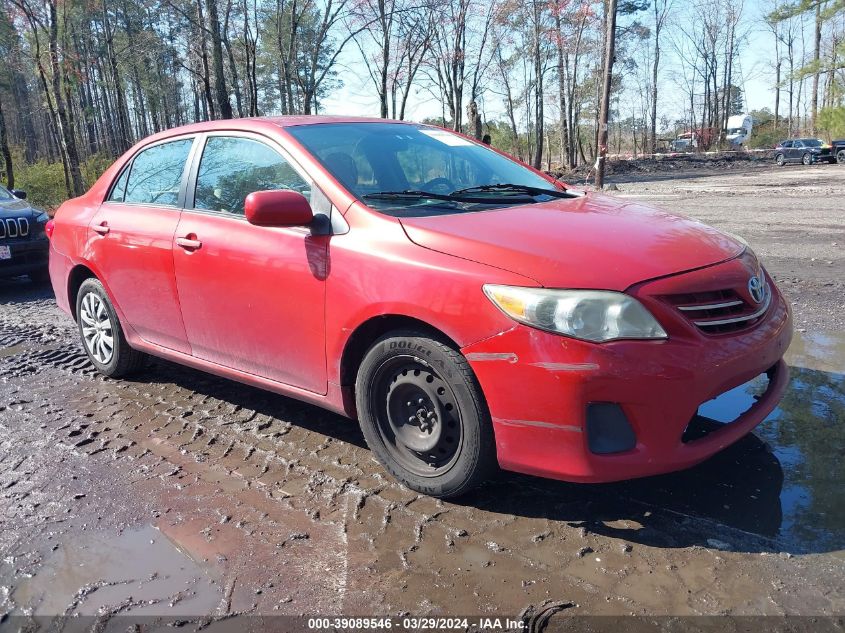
[{"x": 85, "y": 79}]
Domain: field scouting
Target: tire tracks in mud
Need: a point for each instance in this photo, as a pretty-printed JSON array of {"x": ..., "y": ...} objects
[{"x": 254, "y": 459}]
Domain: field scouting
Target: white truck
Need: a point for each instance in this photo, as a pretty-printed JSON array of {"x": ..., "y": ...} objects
[{"x": 738, "y": 130}]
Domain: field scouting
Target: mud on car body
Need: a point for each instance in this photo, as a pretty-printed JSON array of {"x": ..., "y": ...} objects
[
  {"x": 23, "y": 242},
  {"x": 468, "y": 310}
]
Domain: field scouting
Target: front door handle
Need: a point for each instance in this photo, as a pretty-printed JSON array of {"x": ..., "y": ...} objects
[
  {"x": 188, "y": 242},
  {"x": 102, "y": 228}
]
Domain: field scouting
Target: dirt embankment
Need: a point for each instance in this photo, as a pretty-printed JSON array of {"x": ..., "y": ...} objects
[{"x": 666, "y": 164}]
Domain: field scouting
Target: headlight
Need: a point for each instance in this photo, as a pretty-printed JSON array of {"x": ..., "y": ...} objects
[{"x": 591, "y": 315}]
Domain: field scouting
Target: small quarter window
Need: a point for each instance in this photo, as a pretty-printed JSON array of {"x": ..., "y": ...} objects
[
  {"x": 118, "y": 192},
  {"x": 232, "y": 168}
]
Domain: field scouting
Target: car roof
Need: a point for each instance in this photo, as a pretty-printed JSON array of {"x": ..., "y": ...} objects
[{"x": 258, "y": 123}]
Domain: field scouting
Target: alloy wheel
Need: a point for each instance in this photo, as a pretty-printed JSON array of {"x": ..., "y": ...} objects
[{"x": 97, "y": 329}]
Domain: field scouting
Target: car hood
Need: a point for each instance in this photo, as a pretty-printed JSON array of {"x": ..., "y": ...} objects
[
  {"x": 591, "y": 241},
  {"x": 16, "y": 208}
]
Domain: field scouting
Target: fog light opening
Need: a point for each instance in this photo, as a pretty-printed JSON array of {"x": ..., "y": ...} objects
[{"x": 608, "y": 429}]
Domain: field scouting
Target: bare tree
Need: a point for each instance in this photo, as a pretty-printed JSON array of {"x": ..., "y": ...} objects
[
  {"x": 660, "y": 13},
  {"x": 611, "y": 8}
]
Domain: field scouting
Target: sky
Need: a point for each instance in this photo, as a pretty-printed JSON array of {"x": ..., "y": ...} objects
[{"x": 357, "y": 97}]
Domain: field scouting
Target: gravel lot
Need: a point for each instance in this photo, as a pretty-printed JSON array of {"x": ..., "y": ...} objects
[{"x": 180, "y": 494}]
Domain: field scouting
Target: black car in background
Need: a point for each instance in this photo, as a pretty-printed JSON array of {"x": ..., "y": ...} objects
[
  {"x": 839, "y": 150},
  {"x": 807, "y": 151},
  {"x": 23, "y": 242}
]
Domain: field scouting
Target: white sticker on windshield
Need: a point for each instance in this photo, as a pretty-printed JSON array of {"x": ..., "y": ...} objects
[{"x": 446, "y": 137}]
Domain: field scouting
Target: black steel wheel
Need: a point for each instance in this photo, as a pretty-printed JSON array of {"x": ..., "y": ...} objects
[
  {"x": 423, "y": 414},
  {"x": 417, "y": 416}
]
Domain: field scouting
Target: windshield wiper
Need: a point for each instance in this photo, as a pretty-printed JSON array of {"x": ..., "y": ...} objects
[
  {"x": 510, "y": 187},
  {"x": 413, "y": 194},
  {"x": 455, "y": 196}
]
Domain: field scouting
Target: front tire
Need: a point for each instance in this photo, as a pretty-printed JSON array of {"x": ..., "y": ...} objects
[
  {"x": 840, "y": 157},
  {"x": 423, "y": 414},
  {"x": 101, "y": 333},
  {"x": 780, "y": 160},
  {"x": 806, "y": 159}
]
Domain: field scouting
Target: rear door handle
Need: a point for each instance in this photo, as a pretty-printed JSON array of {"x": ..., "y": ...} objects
[
  {"x": 102, "y": 228},
  {"x": 188, "y": 243}
]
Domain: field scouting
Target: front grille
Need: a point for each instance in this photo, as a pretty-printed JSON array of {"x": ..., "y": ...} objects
[
  {"x": 721, "y": 311},
  {"x": 12, "y": 228}
]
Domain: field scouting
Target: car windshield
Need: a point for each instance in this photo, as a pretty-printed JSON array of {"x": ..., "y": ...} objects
[
  {"x": 393, "y": 166},
  {"x": 4, "y": 194},
  {"x": 812, "y": 142}
]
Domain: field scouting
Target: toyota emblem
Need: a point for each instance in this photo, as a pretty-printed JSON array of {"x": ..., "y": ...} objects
[{"x": 756, "y": 288}]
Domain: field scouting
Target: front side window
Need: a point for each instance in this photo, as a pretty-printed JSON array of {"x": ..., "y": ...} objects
[
  {"x": 786, "y": 144},
  {"x": 156, "y": 174},
  {"x": 232, "y": 168}
]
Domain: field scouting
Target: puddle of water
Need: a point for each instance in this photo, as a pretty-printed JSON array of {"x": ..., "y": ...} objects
[
  {"x": 730, "y": 405},
  {"x": 790, "y": 486},
  {"x": 138, "y": 571},
  {"x": 806, "y": 434}
]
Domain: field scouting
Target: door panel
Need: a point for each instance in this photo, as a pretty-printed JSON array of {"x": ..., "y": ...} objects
[
  {"x": 253, "y": 297},
  {"x": 135, "y": 257},
  {"x": 130, "y": 240}
]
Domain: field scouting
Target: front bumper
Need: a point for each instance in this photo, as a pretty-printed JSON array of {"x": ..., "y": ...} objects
[
  {"x": 538, "y": 386},
  {"x": 27, "y": 256}
]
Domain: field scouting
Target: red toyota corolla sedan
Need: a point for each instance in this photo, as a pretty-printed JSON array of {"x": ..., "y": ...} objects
[{"x": 465, "y": 308}]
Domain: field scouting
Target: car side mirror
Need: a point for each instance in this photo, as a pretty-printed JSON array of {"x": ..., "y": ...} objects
[
  {"x": 279, "y": 207},
  {"x": 19, "y": 193}
]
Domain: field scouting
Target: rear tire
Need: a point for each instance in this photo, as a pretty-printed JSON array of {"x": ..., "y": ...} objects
[
  {"x": 806, "y": 159},
  {"x": 780, "y": 160},
  {"x": 101, "y": 333},
  {"x": 423, "y": 414},
  {"x": 840, "y": 157}
]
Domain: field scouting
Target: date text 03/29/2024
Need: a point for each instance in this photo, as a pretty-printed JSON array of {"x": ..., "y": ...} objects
[{"x": 409, "y": 623}]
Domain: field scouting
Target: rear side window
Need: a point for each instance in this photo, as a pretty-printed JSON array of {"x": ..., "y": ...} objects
[
  {"x": 156, "y": 174},
  {"x": 232, "y": 168}
]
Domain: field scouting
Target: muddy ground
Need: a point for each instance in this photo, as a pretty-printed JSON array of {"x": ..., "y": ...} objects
[{"x": 178, "y": 494}]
